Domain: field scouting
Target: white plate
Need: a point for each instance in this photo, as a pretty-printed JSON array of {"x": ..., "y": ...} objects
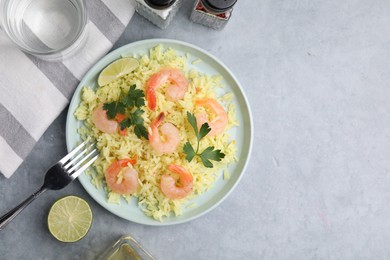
[{"x": 242, "y": 134}]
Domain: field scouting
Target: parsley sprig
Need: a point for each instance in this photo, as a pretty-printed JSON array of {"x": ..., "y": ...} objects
[
  {"x": 129, "y": 105},
  {"x": 208, "y": 154}
]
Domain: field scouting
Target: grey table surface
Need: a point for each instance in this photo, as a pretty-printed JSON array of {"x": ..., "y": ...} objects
[{"x": 316, "y": 74}]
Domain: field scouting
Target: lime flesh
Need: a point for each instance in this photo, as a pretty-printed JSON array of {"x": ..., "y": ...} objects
[
  {"x": 116, "y": 70},
  {"x": 70, "y": 219}
]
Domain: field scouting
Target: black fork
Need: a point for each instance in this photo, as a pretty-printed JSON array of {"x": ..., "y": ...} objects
[{"x": 58, "y": 176}]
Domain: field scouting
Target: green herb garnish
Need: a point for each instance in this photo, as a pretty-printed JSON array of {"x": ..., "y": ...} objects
[
  {"x": 134, "y": 98},
  {"x": 135, "y": 119},
  {"x": 209, "y": 153},
  {"x": 114, "y": 108},
  {"x": 129, "y": 106}
]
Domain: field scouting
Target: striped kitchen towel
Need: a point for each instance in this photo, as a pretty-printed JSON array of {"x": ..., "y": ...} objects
[{"x": 34, "y": 92}]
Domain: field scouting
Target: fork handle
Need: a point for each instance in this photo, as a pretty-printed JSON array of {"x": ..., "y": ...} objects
[{"x": 6, "y": 219}]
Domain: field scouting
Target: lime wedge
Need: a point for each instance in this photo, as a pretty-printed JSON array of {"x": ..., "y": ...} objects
[
  {"x": 116, "y": 70},
  {"x": 69, "y": 219}
]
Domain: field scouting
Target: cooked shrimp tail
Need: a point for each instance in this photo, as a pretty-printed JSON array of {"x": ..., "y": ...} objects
[
  {"x": 126, "y": 162},
  {"x": 128, "y": 184},
  {"x": 158, "y": 120},
  {"x": 218, "y": 118},
  {"x": 168, "y": 140},
  {"x": 175, "y": 91},
  {"x": 180, "y": 189}
]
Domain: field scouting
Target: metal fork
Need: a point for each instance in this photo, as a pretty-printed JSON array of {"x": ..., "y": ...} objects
[{"x": 58, "y": 176}]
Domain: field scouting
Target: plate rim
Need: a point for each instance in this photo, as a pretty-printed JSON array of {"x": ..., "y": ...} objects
[{"x": 157, "y": 41}]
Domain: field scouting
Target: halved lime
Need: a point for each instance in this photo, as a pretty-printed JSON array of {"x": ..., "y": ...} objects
[
  {"x": 116, "y": 70},
  {"x": 69, "y": 219}
]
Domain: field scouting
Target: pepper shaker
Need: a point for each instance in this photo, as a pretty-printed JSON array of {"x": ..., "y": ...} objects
[
  {"x": 213, "y": 13},
  {"x": 159, "y": 12}
]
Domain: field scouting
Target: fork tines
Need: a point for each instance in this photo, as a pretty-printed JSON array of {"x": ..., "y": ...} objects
[{"x": 79, "y": 160}]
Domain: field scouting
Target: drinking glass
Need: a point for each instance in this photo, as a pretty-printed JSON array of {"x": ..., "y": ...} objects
[{"x": 49, "y": 29}]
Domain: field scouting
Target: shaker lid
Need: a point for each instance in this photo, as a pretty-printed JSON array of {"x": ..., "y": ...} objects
[
  {"x": 160, "y": 4},
  {"x": 218, "y": 6}
]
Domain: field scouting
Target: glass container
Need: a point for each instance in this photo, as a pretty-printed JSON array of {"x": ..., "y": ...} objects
[
  {"x": 212, "y": 13},
  {"x": 159, "y": 12},
  {"x": 126, "y": 248},
  {"x": 49, "y": 29}
]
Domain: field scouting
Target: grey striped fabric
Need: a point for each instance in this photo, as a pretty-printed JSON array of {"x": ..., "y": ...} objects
[
  {"x": 34, "y": 92},
  {"x": 56, "y": 72},
  {"x": 18, "y": 138}
]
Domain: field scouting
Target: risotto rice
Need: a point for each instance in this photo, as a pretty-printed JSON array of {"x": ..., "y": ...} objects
[{"x": 151, "y": 166}]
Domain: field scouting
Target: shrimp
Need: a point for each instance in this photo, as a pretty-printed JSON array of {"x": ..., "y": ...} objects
[
  {"x": 101, "y": 121},
  {"x": 175, "y": 91},
  {"x": 220, "y": 119},
  {"x": 179, "y": 190},
  {"x": 169, "y": 139},
  {"x": 120, "y": 117},
  {"x": 129, "y": 182}
]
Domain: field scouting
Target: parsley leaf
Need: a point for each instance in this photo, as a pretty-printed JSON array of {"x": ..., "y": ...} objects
[
  {"x": 192, "y": 120},
  {"x": 138, "y": 122},
  {"x": 209, "y": 153},
  {"x": 189, "y": 151},
  {"x": 204, "y": 130},
  {"x": 134, "y": 98},
  {"x": 206, "y": 162},
  {"x": 136, "y": 118},
  {"x": 125, "y": 123},
  {"x": 114, "y": 108},
  {"x": 126, "y": 104},
  {"x": 141, "y": 131}
]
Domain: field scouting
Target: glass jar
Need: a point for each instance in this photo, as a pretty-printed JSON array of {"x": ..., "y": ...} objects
[
  {"x": 126, "y": 248},
  {"x": 212, "y": 13},
  {"x": 159, "y": 12},
  {"x": 50, "y": 30}
]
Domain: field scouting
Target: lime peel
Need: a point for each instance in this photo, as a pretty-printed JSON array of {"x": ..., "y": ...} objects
[{"x": 117, "y": 69}]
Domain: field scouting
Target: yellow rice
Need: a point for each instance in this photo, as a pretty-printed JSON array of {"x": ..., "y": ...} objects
[{"x": 150, "y": 166}]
